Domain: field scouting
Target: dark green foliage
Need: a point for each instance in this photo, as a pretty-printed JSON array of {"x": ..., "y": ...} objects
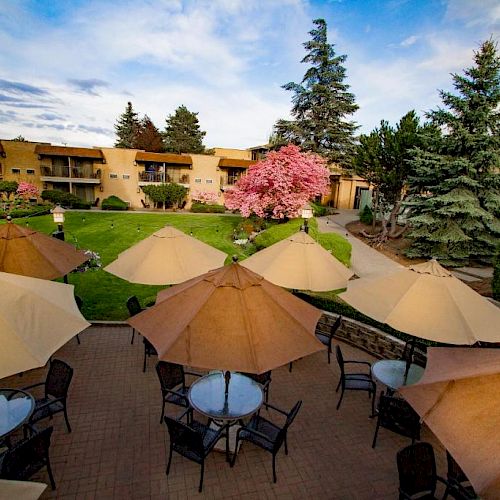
[
  {"x": 366, "y": 215},
  {"x": 25, "y": 212},
  {"x": 170, "y": 194},
  {"x": 318, "y": 210},
  {"x": 182, "y": 133},
  {"x": 321, "y": 104},
  {"x": 66, "y": 200},
  {"x": 495, "y": 284},
  {"x": 113, "y": 203},
  {"x": 8, "y": 187},
  {"x": 19, "y": 138},
  {"x": 149, "y": 137},
  {"x": 127, "y": 128},
  {"x": 207, "y": 208},
  {"x": 456, "y": 186}
]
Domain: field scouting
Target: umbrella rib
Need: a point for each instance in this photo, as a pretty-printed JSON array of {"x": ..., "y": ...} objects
[{"x": 249, "y": 324}]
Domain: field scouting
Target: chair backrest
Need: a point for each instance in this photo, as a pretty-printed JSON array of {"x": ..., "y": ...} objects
[
  {"x": 79, "y": 302},
  {"x": 184, "y": 439},
  {"x": 417, "y": 469},
  {"x": 133, "y": 305},
  {"x": 336, "y": 326},
  {"x": 398, "y": 416},
  {"x": 58, "y": 379},
  {"x": 289, "y": 420},
  {"x": 170, "y": 374},
  {"x": 26, "y": 457},
  {"x": 340, "y": 360},
  {"x": 455, "y": 472},
  {"x": 262, "y": 378}
]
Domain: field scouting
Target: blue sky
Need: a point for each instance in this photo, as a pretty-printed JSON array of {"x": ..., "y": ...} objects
[{"x": 68, "y": 68}]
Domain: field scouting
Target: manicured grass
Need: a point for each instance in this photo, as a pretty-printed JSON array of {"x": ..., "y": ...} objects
[{"x": 104, "y": 295}]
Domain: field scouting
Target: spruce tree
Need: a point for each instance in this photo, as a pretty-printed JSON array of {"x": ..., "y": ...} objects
[
  {"x": 456, "y": 186},
  {"x": 182, "y": 133},
  {"x": 149, "y": 137},
  {"x": 321, "y": 104},
  {"x": 127, "y": 127}
]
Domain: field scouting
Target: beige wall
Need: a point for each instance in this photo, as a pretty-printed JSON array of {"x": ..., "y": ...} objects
[
  {"x": 20, "y": 155},
  {"x": 236, "y": 154},
  {"x": 205, "y": 168}
]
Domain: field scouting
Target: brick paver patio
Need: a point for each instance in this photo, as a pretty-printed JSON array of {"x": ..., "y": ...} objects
[{"x": 118, "y": 448}]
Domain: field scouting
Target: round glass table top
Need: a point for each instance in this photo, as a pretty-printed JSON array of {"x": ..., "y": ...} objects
[
  {"x": 391, "y": 372},
  {"x": 244, "y": 397},
  {"x": 15, "y": 408}
]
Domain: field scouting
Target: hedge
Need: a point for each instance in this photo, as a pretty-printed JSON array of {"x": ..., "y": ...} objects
[
  {"x": 113, "y": 203},
  {"x": 26, "y": 212},
  {"x": 204, "y": 208},
  {"x": 65, "y": 199}
]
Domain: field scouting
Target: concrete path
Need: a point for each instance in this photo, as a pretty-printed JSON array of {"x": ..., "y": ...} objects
[{"x": 365, "y": 261}]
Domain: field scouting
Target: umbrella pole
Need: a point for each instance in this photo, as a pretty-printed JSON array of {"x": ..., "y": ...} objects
[
  {"x": 227, "y": 378},
  {"x": 409, "y": 359}
]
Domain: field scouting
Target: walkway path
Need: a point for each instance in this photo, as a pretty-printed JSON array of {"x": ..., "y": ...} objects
[{"x": 365, "y": 261}]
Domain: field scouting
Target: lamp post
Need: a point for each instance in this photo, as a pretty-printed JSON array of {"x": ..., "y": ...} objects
[
  {"x": 58, "y": 216},
  {"x": 307, "y": 213}
]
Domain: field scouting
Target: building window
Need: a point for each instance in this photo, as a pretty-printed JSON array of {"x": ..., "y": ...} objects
[
  {"x": 16, "y": 170},
  {"x": 197, "y": 180},
  {"x": 30, "y": 171},
  {"x": 209, "y": 181},
  {"x": 126, "y": 176},
  {"x": 113, "y": 176}
]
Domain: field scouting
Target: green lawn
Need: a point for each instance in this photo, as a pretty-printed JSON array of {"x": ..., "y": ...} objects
[{"x": 104, "y": 295}]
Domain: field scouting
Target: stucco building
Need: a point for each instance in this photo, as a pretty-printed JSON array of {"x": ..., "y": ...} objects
[{"x": 96, "y": 173}]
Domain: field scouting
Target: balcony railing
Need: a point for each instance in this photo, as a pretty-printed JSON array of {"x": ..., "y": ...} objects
[
  {"x": 70, "y": 172},
  {"x": 229, "y": 180},
  {"x": 163, "y": 177}
]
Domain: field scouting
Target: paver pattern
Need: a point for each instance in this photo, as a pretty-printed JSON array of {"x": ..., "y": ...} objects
[{"x": 118, "y": 448}]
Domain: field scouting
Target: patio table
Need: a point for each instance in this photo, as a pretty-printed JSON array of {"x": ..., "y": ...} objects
[
  {"x": 16, "y": 407},
  {"x": 244, "y": 397},
  {"x": 391, "y": 372}
]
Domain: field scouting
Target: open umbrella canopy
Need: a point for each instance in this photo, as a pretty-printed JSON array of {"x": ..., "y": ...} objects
[
  {"x": 230, "y": 319},
  {"x": 300, "y": 263},
  {"x": 168, "y": 256},
  {"x": 30, "y": 253},
  {"x": 459, "y": 399},
  {"x": 37, "y": 317},
  {"x": 427, "y": 301}
]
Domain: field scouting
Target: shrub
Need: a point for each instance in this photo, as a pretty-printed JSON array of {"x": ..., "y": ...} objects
[
  {"x": 366, "y": 215},
  {"x": 8, "y": 187},
  {"x": 205, "y": 208},
  {"x": 65, "y": 199},
  {"x": 318, "y": 210},
  {"x": 113, "y": 203},
  {"x": 495, "y": 284},
  {"x": 26, "y": 212},
  {"x": 168, "y": 194}
]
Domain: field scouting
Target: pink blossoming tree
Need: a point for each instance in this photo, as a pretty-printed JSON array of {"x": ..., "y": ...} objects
[
  {"x": 27, "y": 190},
  {"x": 206, "y": 197},
  {"x": 280, "y": 185}
]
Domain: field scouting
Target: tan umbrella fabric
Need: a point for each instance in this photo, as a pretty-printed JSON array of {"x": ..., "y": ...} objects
[
  {"x": 230, "y": 319},
  {"x": 300, "y": 263},
  {"x": 30, "y": 253},
  {"x": 459, "y": 399},
  {"x": 427, "y": 301},
  {"x": 166, "y": 257},
  {"x": 20, "y": 490},
  {"x": 37, "y": 317}
]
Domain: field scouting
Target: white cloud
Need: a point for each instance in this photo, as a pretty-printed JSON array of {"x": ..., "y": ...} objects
[
  {"x": 408, "y": 42},
  {"x": 478, "y": 12}
]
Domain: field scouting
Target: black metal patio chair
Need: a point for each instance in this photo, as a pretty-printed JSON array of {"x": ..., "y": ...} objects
[
  {"x": 264, "y": 379},
  {"x": 134, "y": 307},
  {"x": 79, "y": 303},
  {"x": 149, "y": 350},
  {"x": 326, "y": 338},
  {"x": 458, "y": 482}
]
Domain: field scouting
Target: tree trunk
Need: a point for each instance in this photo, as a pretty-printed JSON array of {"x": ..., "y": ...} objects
[
  {"x": 374, "y": 211},
  {"x": 393, "y": 218}
]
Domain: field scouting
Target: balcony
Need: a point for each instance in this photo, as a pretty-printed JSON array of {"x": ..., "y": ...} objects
[
  {"x": 146, "y": 178},
  {"x": 64, "y": 173},
  {"x": 229, "y": 179}
]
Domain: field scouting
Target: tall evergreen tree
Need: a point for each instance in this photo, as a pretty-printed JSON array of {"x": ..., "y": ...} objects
[
  {"x": 127, "y": 127},
  {"x": 149, "y": 137},
  {"x": 456, "y": 206},
  {"x": 321, "y": 104},
  {"x": 182, "y": 133}
]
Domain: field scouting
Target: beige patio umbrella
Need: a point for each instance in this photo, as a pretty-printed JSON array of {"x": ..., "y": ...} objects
[
  {"x": 230, "y": 319},
  {"x": 300, "y": 263},
  {"x": 459, "y": 399},
  {"x": 30, "y": 253},
  {"x": 168, "y": 256},
  {"x": 20, "y": 490},
  {"x": 37, "y": 317},
  {"x": 427, "y": 301}
]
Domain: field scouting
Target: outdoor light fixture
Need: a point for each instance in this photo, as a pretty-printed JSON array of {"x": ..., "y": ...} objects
[
  {"x": 58, "y": 216},
  {"x": 307, "y": 213}
]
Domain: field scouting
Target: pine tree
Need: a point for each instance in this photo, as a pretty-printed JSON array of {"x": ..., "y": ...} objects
[
  {"x": 182, "y": 133},
  {"x": 456, "y": 206},
  {"x": 321, "y": 104},
  {"x": 127, "y": 127},
  {"x": 149, "y": 137}
]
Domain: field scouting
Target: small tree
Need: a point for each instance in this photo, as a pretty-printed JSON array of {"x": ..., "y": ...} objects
[
  {"x": 7, "y": 188},
  {"x": 280, "y": 185},
  {"x": 167, "y": 194},
  {"x": 27, "y": 190},
  {"x": 127, "y": 128},
  {"x": 204, "y": 196},
  {"x": 149, "y": 137},
  {"x": 182, "y": 133}
]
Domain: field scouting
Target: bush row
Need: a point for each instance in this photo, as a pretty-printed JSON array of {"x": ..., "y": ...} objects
[
  {"x": 66, "y": 200},
  {"x": 25, "y": 212},
  {"x": 207, "y": 208}
]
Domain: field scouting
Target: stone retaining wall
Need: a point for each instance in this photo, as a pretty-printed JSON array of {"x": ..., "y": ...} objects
[{"x": 367, "y": 338}]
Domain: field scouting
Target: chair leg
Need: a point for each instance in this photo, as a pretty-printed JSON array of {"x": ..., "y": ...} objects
[
  {"x": 340, "y": 399},
  {"x": 290, "y": 366},
  {"x": 66, "y": 417},
  {"x": 329, "y": 353},
  {"x": 133, "y": 335},
  {"x": 338, "y": 385},
  {"x": 237, "y": 441},
  {"x": 169, "y": 460},
  {"x": 78, "y": 339},
  {"x": 51, "y": 476},
  {"x": 274, "y": 468},
  {"x": 144, "y": 364},
  {"x": 162, "y": 411},
  {"x": 374, "y": 392},
  {"x": 201, "y": 477},
  {"x": 374, "y": 443},
  {"x": 227, "y": 445},
  {"x": 286, "y": 446}
]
